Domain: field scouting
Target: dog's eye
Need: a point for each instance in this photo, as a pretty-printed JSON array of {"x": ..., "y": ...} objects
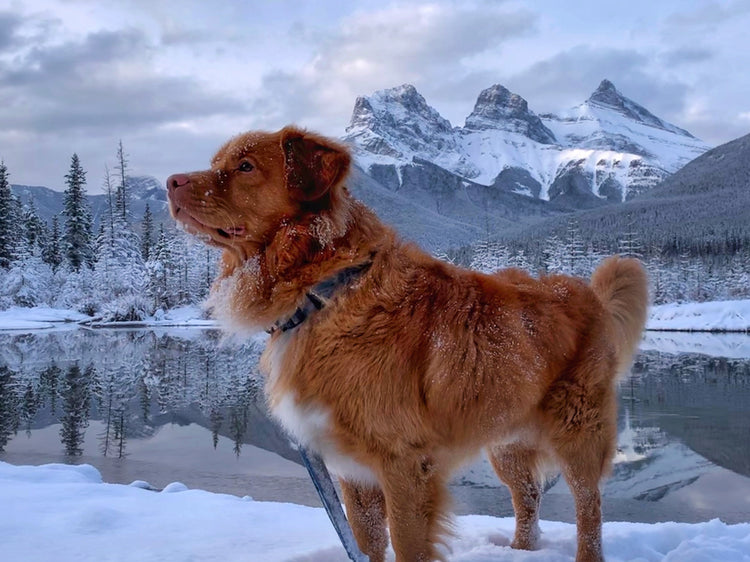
[{"x": 246, "y": 167}]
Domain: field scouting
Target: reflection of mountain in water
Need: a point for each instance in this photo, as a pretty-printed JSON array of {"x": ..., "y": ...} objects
[
  {"x": 649, "y": 466},
  {"x": 702, "y": 401}
]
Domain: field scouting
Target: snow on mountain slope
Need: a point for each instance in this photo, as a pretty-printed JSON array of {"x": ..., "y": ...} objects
[
  {"x": 610, "y": 121},
  {"x": 607, "y": 149},
  {"x": 392, "y": 126}
]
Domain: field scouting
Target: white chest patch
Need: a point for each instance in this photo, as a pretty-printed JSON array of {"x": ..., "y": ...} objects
[{"x": 309, "y": 425}]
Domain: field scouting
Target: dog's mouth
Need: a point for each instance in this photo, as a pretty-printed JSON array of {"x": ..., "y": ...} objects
[
  {"x": 194, "y": 223},
  {"x": 231, "y": 232}
]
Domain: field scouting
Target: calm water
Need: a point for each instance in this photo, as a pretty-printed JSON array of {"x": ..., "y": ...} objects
[{"x": 182, "y": 405}]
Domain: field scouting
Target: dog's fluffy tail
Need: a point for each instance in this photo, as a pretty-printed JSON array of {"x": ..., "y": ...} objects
[{"x": 622, "y": 287}]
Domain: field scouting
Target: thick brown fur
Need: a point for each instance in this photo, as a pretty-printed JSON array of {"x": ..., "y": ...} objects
[{"x": 418, "y": 365}]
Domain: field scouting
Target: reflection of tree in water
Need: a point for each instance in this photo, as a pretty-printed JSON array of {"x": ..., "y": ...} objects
[
  {"x": 76, "y": 402},
  {"x": 112, "y": 401},
  {"x": 215, "y": 419},
  {"x": 134, "y": 382},
  {"x": 29, "y": 406},
  {"x": 9, "y": 406},
  {"x": 239, "y": 410},
  {"x": 48, "y": 380}
]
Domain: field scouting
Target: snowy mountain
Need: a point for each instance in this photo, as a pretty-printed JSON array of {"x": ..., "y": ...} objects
[{"x": 607, "y": 149}]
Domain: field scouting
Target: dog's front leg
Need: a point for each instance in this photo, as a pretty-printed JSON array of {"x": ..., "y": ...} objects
[
  {"x": 365, "y": 509},
  {"x": 415, "y": 498}
]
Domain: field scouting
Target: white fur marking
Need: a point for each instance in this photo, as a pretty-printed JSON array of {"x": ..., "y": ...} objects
[{"x": 309, "y": 425}]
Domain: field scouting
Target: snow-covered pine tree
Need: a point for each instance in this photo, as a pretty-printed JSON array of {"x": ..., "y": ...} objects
[
  {"x": 629, "y": 245},
  {"x": 575, "y": 251},
  {"x": 122, "y": 195},
  {"x": 489, "y": 256},
  {"x": 120, "y": 273},
  {"x": 9, "y": 217},
  {"x": 160, "y": 270},
  {"x": 77, "y": 234},
  {"x": 35, "y": 230},
  {"x": 554, "y": 255},
  {"x": 28, "y": 279},
  {"x": 147, "y": 236},
  {"x": 52, "y": 252}
]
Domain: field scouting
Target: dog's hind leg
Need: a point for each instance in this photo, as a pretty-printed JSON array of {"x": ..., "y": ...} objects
[
  {"x": 585, "y": 452},
  {"x": 365, "y": 509},
  {"x": 416, "y": 499},
  {"x": 517, "y": 467}
]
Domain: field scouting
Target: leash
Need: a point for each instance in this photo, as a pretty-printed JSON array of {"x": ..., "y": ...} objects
[{"x": 324, "y": 486}]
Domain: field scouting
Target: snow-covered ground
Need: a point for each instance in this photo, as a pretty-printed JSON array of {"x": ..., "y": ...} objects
[
  {"x": 729, "y": 316},
  {"x": 41, "y": 318},
  {"x": 66, "y": 513},
  {"x": 717, "y": 316}
]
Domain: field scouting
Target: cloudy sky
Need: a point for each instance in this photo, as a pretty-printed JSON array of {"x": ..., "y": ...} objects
[{"x": 173, "y": 79}]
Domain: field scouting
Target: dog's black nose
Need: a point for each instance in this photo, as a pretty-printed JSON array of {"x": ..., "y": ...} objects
[{"x": 177, "y": 180}]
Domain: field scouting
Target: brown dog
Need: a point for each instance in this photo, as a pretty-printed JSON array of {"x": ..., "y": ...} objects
[{"x": 397, "y": 367}]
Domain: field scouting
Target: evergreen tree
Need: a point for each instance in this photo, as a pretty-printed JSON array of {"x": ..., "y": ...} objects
[
  {"x": 77, "y": 236},
  {"x": 52, "y": 253},
  {"x": 554, "y": 255},
  {"x": 162, "y": 270},
  {"x": 35, "y": 231},
  {"x": 148, "y": 234},
  {"x": 489, "y": 257},
  {"x": 575, "y": 251},
  {"x": 122, "y": 197},
  {"x": 120, "y": 271},
  {"x": 8, "y": 220},
  {"x": 630, "y": 245}
]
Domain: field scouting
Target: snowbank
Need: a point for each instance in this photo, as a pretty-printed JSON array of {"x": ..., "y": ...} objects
[
  {"x": 715, "y": 316},
  {"x": 38, "y": 318},
  {"x": 62, "y": 512},
  {"x": 43, "y": 318}
]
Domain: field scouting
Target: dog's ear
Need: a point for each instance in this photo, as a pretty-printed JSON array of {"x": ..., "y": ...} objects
[{"x": 312, "y": 164}]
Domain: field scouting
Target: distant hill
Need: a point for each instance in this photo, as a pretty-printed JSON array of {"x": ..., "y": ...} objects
[
  {"x": 704, "y": 204},
  {"x": 142, "y": 190}
]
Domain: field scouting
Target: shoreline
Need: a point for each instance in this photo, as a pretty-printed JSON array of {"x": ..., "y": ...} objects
[{"x": 712, "y": 317}]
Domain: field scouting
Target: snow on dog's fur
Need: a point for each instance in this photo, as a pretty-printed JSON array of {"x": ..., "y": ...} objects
[{"x": 415, "y": 365}]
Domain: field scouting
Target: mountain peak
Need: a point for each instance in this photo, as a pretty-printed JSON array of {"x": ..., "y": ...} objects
[
  {"x": 398, "y": 122},
  {"x": 609, "y": 97},
  {"x": 608, "y": 94},
  {"x": 394, "y": 106},
  {"x": 499, "y": 108}
]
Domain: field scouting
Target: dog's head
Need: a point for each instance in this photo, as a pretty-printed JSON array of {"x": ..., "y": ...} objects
[{"x": 257, "y": 183}]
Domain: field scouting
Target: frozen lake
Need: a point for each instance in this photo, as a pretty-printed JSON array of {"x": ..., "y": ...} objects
[{"x": 181, "y": 405}]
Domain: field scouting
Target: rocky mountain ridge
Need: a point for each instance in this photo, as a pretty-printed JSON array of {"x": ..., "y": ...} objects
[{"x": 607, "y": 149}]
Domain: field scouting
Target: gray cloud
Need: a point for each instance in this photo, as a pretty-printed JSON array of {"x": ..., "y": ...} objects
[
  {"x": 9, "y": 25},
  {"x": 104, "y": 81},
  {"x": 686, "y": 55},
  {"x": 420, "y": 44},
  {"x": 708, "y": 15},
  {"x": 568, "y": 78}
]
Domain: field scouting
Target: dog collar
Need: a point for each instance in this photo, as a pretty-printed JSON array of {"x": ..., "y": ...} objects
[{"x": 317, "y": 297}]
